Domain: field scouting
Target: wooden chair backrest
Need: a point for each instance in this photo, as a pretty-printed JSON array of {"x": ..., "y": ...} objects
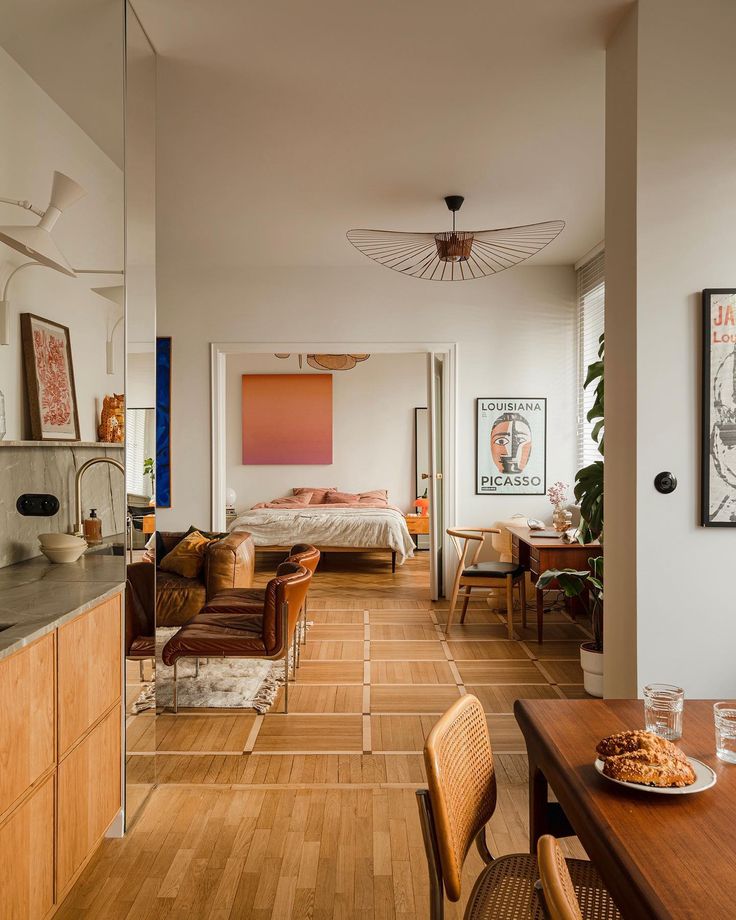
[
  {"x": 462, "y": 540},
  {"x": 462, "y": 784},
  {"x": 560, "y": 900}
]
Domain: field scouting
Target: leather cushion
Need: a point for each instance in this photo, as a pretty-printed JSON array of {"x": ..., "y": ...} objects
[
  {"x": 177, "y": 599},
  {"x": 238, "y": 601},
  {"x": 493, "y": 570},
  {"x": 142, "y": 647},
  {"x": 208, "y": 640}
]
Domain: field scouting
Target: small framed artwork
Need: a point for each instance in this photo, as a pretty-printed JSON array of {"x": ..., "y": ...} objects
[
  {"x": 52, "y": 398},
  {"x": 719, "y": 408},
  {"x": 163, "y": 422},
  {"x": 510, "y": 446}
]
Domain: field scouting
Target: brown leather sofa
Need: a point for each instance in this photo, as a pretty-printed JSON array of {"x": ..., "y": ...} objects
[
  {"x": 228, "y": 563},
  {"x": 241, "y": 623}
]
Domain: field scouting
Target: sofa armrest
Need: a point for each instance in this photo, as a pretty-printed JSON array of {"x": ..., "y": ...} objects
[{"x": 229, "y": 563}]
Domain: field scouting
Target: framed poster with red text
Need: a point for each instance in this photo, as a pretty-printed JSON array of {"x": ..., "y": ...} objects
[{"x": 719, "y": 408}]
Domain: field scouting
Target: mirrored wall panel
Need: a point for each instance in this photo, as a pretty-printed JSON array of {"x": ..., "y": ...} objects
[{"x": 140, "y": 450}]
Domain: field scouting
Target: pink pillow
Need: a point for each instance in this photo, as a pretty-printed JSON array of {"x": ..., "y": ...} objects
[
  {"x": 377, "y": 496},
  {"x": 304, "y": 498},
  {"x": 316, "y": 495},
  {"x": 334, "y": 497}
]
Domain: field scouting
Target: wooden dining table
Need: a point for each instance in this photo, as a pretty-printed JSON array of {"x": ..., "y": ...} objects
[{"x": 660, "y": 856}]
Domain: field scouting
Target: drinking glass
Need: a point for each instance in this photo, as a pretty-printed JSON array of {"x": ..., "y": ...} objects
[
  {"x": 663, "y": 706},
  {"x": 725, "y": 719}
]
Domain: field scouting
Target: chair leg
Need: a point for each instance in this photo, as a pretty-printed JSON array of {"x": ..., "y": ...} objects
[
  {"x": 522, "y": 592},
  {"x": 176, "y": 698},
  {"x": 465, "y": 603},
  {"x": 141, "y": 670},
  {"x": 510, "y": 605},
  {"x": 304, "y": 623},
  {"x": 196, "y": 667},
  {"x": 453, "y": 603}
]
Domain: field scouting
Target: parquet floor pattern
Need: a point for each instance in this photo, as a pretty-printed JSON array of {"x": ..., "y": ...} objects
[{"x": 313, "y": 814}]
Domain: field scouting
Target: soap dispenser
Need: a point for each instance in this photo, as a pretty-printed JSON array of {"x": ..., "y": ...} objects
[{"x": 93, "y": 528}]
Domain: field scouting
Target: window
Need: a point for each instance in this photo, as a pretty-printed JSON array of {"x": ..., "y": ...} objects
[
  {"x": 591, "y": 311},
  {"x": 137, "y": 436}
]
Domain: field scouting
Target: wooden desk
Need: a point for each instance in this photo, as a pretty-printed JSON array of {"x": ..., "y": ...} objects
[
  {"x": 660, "y": 856},
  {"x": 538, "y": 554}
]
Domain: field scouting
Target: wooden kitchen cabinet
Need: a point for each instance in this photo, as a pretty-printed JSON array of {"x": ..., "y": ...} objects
[
  {"x": 27, "y": 856},
  {"x": 60, "y": 758},
  {"x": 89, "y": 793},
  {"x": 27, "y": 718},
  {"x": 90, "y": 675}
]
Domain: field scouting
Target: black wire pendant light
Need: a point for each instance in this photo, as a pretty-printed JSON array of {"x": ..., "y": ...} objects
[{"x": 455, "y": 255}]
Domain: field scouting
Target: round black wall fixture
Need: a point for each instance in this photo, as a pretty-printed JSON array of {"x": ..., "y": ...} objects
[{"x": 665, "y": 483}]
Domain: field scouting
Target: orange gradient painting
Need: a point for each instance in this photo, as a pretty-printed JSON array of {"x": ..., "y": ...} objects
[{"x": 287, "y": 419}]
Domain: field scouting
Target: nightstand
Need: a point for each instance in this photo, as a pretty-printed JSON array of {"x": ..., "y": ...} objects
[{"x": 417, "y": 524}]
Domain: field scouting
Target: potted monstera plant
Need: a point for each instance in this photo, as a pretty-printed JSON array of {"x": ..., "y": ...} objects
[
  {"x": 589, "y": 495},
  {"x": 573, "y": 583}
]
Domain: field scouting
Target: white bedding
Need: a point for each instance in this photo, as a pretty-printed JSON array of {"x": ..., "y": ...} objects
[{"x": 382, "y": 528}]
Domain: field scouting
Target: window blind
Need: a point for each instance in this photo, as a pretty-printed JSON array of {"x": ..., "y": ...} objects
[
  {"x": 135, "y": 447},
  {"x": 591, "y": 312}
]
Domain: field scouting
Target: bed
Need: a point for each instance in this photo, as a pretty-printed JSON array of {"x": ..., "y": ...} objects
[{"x": 365, "y": 524}]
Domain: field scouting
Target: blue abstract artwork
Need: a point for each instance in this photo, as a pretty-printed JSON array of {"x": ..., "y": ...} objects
[{"x": 163, "y": 422}]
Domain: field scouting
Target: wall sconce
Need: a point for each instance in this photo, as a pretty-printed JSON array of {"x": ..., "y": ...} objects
[{"x": 37, "y": 241}]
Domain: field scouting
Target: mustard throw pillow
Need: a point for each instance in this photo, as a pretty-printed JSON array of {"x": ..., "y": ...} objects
[{"x": 187, "y": 557}]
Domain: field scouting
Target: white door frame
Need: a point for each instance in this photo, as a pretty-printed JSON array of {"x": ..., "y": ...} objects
[{"x": 218, "y": 355}]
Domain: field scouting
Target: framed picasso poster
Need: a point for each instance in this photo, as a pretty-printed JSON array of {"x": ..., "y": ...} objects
[
  {"x": 510, "y": 446},
  {"x": 52, "y": 398},
  {"x": 719, "y": 408}
]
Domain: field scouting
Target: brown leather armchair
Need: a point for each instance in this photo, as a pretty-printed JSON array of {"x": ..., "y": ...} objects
[
  {"x": 140, "y": 613},
  {"x": 228, "y": 563},
  {"x": 242, "y": 624}
]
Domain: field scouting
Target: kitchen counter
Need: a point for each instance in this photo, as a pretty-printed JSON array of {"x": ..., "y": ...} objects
[{"x": 37, "y": 596}]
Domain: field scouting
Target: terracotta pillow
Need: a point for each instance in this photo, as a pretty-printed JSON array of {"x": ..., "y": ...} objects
[
  {"x": 378, "y": 496},
  {"x": 187, "y": 557},
  {"x": 303, "y": 498},
  {"x": 318, "y": 494},
  {"x": 334, "y": 497}
]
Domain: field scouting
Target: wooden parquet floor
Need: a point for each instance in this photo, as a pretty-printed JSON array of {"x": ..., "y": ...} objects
[{"x": 313, "y": 814}]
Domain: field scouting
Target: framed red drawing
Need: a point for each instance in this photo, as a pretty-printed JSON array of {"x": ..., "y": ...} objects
[
  {"x": 52, "y": 399},
  {"x": 287, "y": 419}
]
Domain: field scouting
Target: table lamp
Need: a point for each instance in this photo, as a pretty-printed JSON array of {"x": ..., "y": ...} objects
[{"x": 423, "y": 505}]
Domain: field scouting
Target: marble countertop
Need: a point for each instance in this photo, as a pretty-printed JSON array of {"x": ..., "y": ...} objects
[{"x": 36, "y": 596}]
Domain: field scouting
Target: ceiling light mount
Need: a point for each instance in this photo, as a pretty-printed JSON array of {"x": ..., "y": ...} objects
[{"x": 454, "y": 202}]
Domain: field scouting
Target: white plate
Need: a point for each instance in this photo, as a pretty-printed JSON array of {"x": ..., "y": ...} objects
[{"x": 704, "y": 779}]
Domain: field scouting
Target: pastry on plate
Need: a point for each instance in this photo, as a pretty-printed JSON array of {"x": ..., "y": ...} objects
[
  {"x": 630, "y": 741},
  {"x": 660, "y": 771}
]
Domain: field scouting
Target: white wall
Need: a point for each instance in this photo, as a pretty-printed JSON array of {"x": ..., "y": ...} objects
[
  {"x": 38, "y": 138},
  {"x": 677, "y": 611},
  {"x": 516, "y": 335},
  {"x": 372, "y": 425}
]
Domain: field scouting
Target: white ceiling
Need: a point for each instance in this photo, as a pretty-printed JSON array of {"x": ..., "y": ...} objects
[{"x": 284, "y": 124}]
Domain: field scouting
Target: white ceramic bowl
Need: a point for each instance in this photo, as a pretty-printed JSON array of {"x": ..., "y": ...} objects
[
  {"x": 60, "y": 540},
  {"x": 64, "y": 554}
]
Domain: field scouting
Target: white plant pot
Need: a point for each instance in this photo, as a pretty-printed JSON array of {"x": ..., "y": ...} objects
[{"x": 592, "y": 664}]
